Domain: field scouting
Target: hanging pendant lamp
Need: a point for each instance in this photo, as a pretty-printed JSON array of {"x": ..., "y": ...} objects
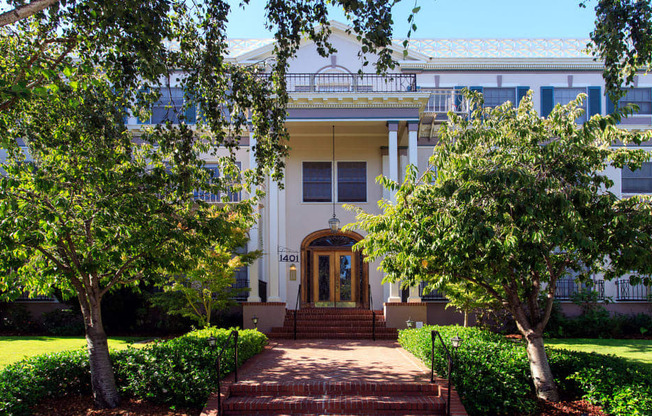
[{"x": 334, "y": 223}]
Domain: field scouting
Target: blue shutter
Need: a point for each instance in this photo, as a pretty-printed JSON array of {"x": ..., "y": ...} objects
[
  {"x": 521, "y": 92},
  {"x": 611, "y": 107},
  {"x": 595, "y": 101},
  {"x": 458, "y": 97},
  {"x": 191, "y": 112},
  {"x": 547, "y": 100}
]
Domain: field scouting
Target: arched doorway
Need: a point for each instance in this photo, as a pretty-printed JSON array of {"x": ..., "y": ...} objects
[{"x": 332, "y": 274}]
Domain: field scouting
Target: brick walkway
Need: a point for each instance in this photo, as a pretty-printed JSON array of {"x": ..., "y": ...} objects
[{"x": 361, "y": 362}]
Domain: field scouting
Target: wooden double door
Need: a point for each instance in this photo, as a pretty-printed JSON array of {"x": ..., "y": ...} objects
[{"x": 334, "y": 282}]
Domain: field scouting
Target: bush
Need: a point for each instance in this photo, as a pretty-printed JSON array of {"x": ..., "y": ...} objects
[
  {"x": 178, "y": 372},
  {"x": 63, "y": 322},
  {"x": 16, "y": 318},
  {"x": 492, "y": 374}
]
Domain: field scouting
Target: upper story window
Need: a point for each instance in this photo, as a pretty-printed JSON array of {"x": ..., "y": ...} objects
[
  {"x": 642, "y": 97},
  {"x": 638, "y": 181},
  {"x": 494, "y": 97},
  {"x": 207, "y": 196},
  {"x": 318, "y": 182},
  {"x": 551, "y": 96},
  {"x": 351, "y": 181},
  {"x": 169, "y": 107}
]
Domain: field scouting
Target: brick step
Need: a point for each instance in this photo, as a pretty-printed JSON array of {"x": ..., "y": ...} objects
[
  {"x": 335, "y": 404},
  {"x": 360, "y": 388},
  {"x": 334, "y": 311},
  {"x": 325, "y": 325},
  {"x": 339, "y": 335},
  {"x": 331, "y": 329},
  {"x": 346, "y": 320}
]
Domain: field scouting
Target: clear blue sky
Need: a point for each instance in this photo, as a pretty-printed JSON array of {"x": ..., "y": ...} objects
[{"x": 457, "y": 19}]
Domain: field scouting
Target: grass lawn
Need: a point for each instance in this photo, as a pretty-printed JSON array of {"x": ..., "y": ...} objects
[
  {"x": 14, "y": 349},
  {"x": 634, "y": 350}
]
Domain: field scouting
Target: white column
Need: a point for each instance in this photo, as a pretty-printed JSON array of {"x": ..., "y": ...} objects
[
  {"x": 394, "y": 295},
  {"x": 413, "y": 160},
  {"x": 253, "y": 243},
  {"x": 282, "y": 242},
  {"x": 273, "y": 242}
]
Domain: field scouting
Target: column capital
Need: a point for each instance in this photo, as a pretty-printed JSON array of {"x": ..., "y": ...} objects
[
  {"x": 413, "y": 125},
  {"x": 392, "y": 125}
]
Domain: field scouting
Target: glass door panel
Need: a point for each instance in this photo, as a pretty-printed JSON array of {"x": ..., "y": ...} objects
[
  {"x": 324, "y": 278},
  {"x": 345, "y": 278}
]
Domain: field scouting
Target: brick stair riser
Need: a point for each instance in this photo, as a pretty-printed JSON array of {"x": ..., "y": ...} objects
[
  {"x": 387, "y": 337},
  {"x": 324, "y": 332},
  {"x": 334, "y": 404},
  {"x": 348, "y": 388},
  {"x": 334, "y": 320},
  {"x": 350, "y": 413}
]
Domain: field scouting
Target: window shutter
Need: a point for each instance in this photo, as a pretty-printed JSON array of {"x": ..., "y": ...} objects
[
  {"x": 458, "y": 97},
  {"x": 595, "y": 101},
  {"x": 191, "y": 112},
  {"x": 521, "y": 92},
  {"x": 547, "y": 100},
  {"x": 611, "y": 107}
]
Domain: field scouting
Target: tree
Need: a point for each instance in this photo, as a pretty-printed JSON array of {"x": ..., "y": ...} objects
[
  {"x": 518, "y": 201},
  {"x": 93, "y": 209},
  {"x": 623, "y": 40},
  {"x": 207, "y": 286}
]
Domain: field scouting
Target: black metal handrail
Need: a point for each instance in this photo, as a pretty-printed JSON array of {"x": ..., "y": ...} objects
[
  {"x": 233, "y": 334},
  {"x": 296, "y": 308},
  {"x": 373, "y": 315},
  {"x": 433, "y": 335},
  {"x": 351, "y": 83}
]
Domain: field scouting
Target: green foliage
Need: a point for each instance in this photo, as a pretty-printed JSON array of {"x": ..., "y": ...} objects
[
  {"x": 25, "y": 383},
  {"x": 492, "y": 373},
  {"x": 179, "y": 372},
  {"x": 16, "y": 318},
  {"x": 63, "y": 322},
  {"x": 207, "y": 286},
  {"x": 623, "y": 40},
  {"x": 518, "y": 201}
]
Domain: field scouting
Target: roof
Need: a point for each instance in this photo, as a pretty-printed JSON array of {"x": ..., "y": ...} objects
[{"x": 463, "y": 48}]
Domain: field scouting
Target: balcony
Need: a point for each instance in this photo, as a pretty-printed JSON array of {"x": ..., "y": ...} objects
[
  {"x": 443, "y": 100},
  {"x": 349, "y": 83},
  {"x": 433, "y": 296},
  {"x": 625, "y": 291},
  {"x": 566, "y": 288}
]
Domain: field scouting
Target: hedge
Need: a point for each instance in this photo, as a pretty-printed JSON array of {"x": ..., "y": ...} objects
[
  {"x": 492, "y": 374},
  {"x": 178, "y": 372}
]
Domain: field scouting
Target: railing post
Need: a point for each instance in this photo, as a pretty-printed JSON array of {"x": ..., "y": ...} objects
[
  {"x": 432, "y": 356},
  {"x": 219, "y": 390},
  {"x": 235, "y": 337}
]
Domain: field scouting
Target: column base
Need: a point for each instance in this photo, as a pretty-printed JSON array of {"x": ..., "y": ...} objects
[
  {"x": 253, "y": 299},
  {"x": 393, "y": 299},
  {"x": 274, "y": 299}
]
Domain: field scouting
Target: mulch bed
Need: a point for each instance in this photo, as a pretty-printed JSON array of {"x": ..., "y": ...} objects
[
  {"x": 83, "y": 406},
  {"x": 569, "y": 408}
]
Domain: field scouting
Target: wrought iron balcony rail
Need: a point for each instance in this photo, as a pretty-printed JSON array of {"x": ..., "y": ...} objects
[
  {"x": 626, "y": 291},
  {"x": 432, "y": 296},
  {"x": 566, "y": 288},
  {"x": 349, "y": 83}
]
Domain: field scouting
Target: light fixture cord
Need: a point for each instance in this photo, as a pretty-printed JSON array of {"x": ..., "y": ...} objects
[{"x": 333, "y": 169}]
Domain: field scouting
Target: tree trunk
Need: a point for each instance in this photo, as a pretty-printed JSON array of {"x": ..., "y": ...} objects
[
  {"x": 544, "y": 382},
  {"x": 105, "y": 393},
  {"x": 466, "y": 319}
]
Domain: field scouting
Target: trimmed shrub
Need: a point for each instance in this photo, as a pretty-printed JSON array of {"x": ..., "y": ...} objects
[
  {"x": 492, "y": 374},
  {"x": 63, "y": 322},
  {"x": 178, "y": 372}
]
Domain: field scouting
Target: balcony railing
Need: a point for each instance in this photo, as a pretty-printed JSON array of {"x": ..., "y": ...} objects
[
  {"x": 433, "y": 296},
  {"x": 566, "y": 288},
  {"x": 626, "y": 291},
  {"x": 443, "y": 100},
  {"x": 354, "y": 83},
  {"x": 38, "y": 298}
]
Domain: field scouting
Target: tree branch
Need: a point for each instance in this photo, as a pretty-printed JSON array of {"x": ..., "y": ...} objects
[{"x": 22, "y": 12}]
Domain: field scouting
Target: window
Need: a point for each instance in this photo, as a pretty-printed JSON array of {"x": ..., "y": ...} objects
[
  {"x": 551, "y": 96},
  {"x": 317, "y": 182},
  {"x": 493, "y": 97},
  {"x": 642, "y": 97},
  {"x": 638, "y": 181},
  {"x": 169, "y": 107},
  {"x": 565, "y": 95},
  {"x": 351, "y": 181},
  {"x": 207, "y": 196}
]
